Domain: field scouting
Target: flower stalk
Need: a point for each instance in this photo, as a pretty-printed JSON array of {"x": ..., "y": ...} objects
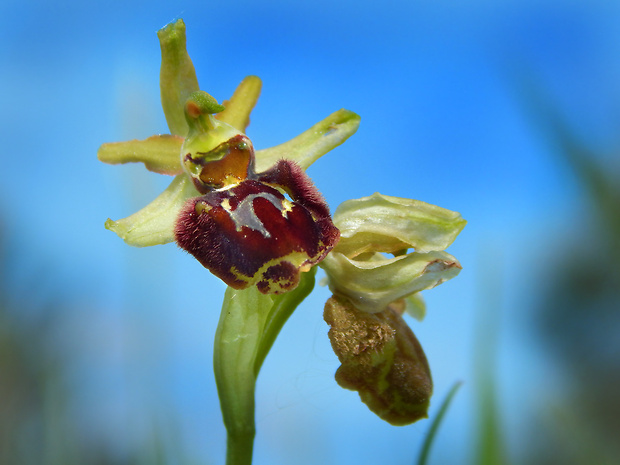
[{"x": 249, "y": 324}]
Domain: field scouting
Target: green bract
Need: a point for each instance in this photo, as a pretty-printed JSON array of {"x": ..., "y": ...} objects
[
  {"x": 154, "y": 224},
  {"x": 372, "y": 226}
]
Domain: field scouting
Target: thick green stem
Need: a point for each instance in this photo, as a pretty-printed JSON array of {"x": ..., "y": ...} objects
[
  {"x": 248, "y": 326},
  {"x": 237, "y": 400},
  {"x": 239, "y": 448}
]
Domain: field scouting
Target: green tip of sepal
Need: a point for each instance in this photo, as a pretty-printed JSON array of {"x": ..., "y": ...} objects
[
  {"x": 177, "y": 79},
  {"x": 172, "y": 31},
  {"x": 154, "y": 224},
  {"x": 110, "y": 225},
  {"x": 201, "y": 103}
]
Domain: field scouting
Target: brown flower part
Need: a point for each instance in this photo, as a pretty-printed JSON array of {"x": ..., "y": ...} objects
[
  {"x": 245, "y": 230},
  {"x": 230, "y": 163},
  {"x": 381, "y": 359}
]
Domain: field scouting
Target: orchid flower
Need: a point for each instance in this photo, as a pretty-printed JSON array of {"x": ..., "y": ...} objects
[
  {"x": 257, "y": 222},
  {"x": 227, "y": 205}
]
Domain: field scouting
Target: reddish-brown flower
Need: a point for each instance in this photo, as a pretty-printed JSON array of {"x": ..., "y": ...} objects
[
  {"x": 244, "y": 229},
  {"x": 252, "y": 219}
]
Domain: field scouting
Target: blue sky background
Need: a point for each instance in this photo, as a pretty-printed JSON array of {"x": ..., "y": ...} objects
[{"x": 437, "y": 87}]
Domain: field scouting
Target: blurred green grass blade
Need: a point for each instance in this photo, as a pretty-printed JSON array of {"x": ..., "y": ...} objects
[
  {"x": 428, "y": 442},
  {"x": 490, "y": 447},
  {"x": 600, "y": 185}
]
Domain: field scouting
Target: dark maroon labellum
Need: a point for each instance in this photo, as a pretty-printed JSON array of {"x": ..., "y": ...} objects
[{"x": 251, "y": 234}]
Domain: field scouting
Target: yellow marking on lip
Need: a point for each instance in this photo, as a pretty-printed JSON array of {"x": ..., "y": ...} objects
[
  {"x": 202, "y": 207},
  {"x": 287, "y": 206},
  {"x": 297, "y": 259}
]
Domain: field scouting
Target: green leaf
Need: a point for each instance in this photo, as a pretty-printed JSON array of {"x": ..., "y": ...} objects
[
  {"x": 154, "y": 224},
  {"x": 312, "y": 144},
  {"x": 160, "y": 154},
  {"x": 381, "y": 223},
  {"x": 177, "y": 78},
  {"x": 249, "y": 324},
  {"x": 238, "y": 108},
  {"x": 372, "y": 284},
  {"x": 432, "y": 432}
]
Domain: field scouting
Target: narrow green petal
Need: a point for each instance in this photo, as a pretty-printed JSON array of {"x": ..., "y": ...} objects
[
  {"x": 382, "y": 223},
  {"x": 177, "y": 78},
  {"x": 373, "y": 284},
  {"x": 154, "y": 224},
  {"x": 158, "y": 153},
  {"x": 238, "y": 108},
  {"x": 415, "y": 306},
  {"x": 312, "y": 144}
]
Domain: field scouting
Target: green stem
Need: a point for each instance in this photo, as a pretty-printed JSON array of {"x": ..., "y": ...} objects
[
  {"x": 248, "y": 326},
  {"x": 239, "y": 447},
  {"x": 237, "y": 400}
]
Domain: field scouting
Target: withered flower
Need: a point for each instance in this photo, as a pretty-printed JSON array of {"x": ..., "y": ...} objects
[{"x": 381, "y": 357}]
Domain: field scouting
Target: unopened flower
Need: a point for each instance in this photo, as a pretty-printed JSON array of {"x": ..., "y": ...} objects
[
  {"x": 251, "y": 218},
  {"x": 381, "y": 357}
]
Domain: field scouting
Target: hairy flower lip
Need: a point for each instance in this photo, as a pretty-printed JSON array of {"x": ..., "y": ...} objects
[{"x": 250, "y": 234}]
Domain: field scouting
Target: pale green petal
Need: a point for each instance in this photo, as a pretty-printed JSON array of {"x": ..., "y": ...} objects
[
  {"x": 373, "y": 284},
  {"x": 312, "y": 144},
  {"x": 154, "y": 224},
  {"x": 238, "y": 108},
  {"x": 177, "y": 77},
  {"x": 382, "y": 223},
  {"x": 160, "y": 154},
  {"x": 415, "y": 306}
]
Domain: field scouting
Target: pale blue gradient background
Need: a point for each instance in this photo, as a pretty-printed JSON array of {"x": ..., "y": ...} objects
[{"x": 437, "y": 88}]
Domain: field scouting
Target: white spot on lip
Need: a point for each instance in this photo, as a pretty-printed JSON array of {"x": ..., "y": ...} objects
[{"x": 244, "y": 215}]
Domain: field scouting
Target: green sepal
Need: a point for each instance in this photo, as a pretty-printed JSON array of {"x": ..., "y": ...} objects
[
  {"x": 237, "y": 110},
  {"x": 312, "y": 144},
  {"x": 154, "y": 224},
  {"x": 415, "y": 306},
  {"x": 372, "y": 284},
  {"x": 382, "y": 223},
  {"x": 177, "y": 77},
  {"x": 159, "y": 154}
]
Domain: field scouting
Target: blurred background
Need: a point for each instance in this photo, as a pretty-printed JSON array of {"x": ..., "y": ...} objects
[{"x": 506, "y": 111}]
